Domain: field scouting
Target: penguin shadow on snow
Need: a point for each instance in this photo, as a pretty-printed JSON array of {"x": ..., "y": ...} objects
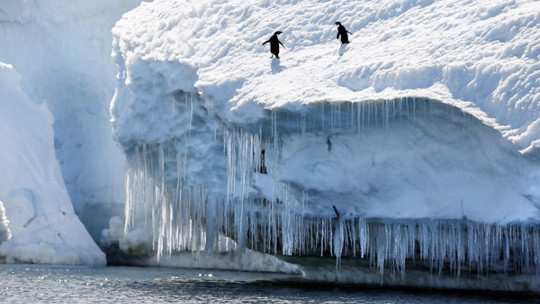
[
  {"x": 343, "y": 49},
  {"x": 275, "y": 66}
]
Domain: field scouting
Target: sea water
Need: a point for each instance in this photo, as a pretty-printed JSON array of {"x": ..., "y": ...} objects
[{"x": 83, "y": 284}]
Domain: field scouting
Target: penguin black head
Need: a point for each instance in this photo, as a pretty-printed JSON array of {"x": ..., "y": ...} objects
[
  {"x": 278, "y": 32},
  {"x": 338, "y": 23}
]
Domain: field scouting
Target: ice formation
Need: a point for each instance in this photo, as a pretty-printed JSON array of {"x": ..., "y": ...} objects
[
  {"x": 35, "y": 202},
  {"x": 416, "y": 143},
  {"x": 5, "y": 233},
  {"x": 62, "y": 50}
]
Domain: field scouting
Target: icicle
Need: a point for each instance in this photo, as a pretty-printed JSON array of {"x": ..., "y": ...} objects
[{"x": 184, "y": 217}]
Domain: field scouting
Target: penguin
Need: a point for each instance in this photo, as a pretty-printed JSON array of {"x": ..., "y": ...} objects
[
  {"x": 341, "y": 31},
  {"x": 274, "y": 44}
]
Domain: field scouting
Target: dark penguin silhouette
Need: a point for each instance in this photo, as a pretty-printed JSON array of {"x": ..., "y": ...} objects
[
  {"x": 342, "y": 31},
  {"x": 274, "y": 44}
]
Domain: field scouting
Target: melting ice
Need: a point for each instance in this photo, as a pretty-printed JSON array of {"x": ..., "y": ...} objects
[
  {"x": 404, "y": 160},
  {"x": 392, "y": 182}
]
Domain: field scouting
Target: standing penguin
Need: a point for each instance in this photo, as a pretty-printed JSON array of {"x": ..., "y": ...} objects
[
  {"x": 342, "y": 31},
  {"x": 274, "y": 44}
]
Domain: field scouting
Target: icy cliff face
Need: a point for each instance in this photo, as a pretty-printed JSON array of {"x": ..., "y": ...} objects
[
  {"x": 61, "y": 49},
  {"x": 35, "y": 205},
  {"x": 5, "y": 233},
  {"x": 411, "y": 143}
]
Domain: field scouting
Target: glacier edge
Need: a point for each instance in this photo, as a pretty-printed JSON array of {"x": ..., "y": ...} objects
[{"x": 221, "y": 146}]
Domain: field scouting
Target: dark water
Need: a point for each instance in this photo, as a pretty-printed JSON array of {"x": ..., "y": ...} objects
[{"x": 72, "y": 284}]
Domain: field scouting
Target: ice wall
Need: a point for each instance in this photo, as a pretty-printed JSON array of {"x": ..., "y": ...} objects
[
  {"x": 388, "y": 181},
  {"x": 397, "y": 148},
  {"x": 35, "y": 204},
  {"x": 5, "y": 233},
  {"x": 62, "y": 51}
]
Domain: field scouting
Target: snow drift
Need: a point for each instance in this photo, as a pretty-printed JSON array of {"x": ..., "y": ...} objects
[{"x": 411, "y": 143}]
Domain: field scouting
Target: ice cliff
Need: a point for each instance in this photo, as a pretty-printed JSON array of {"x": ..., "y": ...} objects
[
  {"x": 36, "y": 210},
  {"x": 5, "y": 233},
  {"x": 56, "y": 136},
  {"x": 414, "y": 145},
  {"x": 62, "y": 50}
]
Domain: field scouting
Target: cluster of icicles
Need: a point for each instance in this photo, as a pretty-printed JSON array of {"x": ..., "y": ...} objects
[{"x": 189, "y": 217}]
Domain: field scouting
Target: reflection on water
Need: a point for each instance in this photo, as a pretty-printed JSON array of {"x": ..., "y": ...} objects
[{"x": 69, "y": 284}]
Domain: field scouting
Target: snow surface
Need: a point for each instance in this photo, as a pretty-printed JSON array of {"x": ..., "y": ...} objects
[
  {"x": 62, "y": 50},
  {"x": 38, "y": 210},
  {"x": 481, "y": 56}
]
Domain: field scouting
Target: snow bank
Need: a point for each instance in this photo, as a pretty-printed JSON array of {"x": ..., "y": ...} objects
[
  {"x": 62, "y": 51},
  {"x": 43, "y": 224}
]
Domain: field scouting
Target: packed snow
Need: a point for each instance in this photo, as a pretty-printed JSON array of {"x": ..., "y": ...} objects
[
  {"x": 481, "y": 56},
  {"x": 35, "y": 205},
  {"x": 424, "y": 128}
]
